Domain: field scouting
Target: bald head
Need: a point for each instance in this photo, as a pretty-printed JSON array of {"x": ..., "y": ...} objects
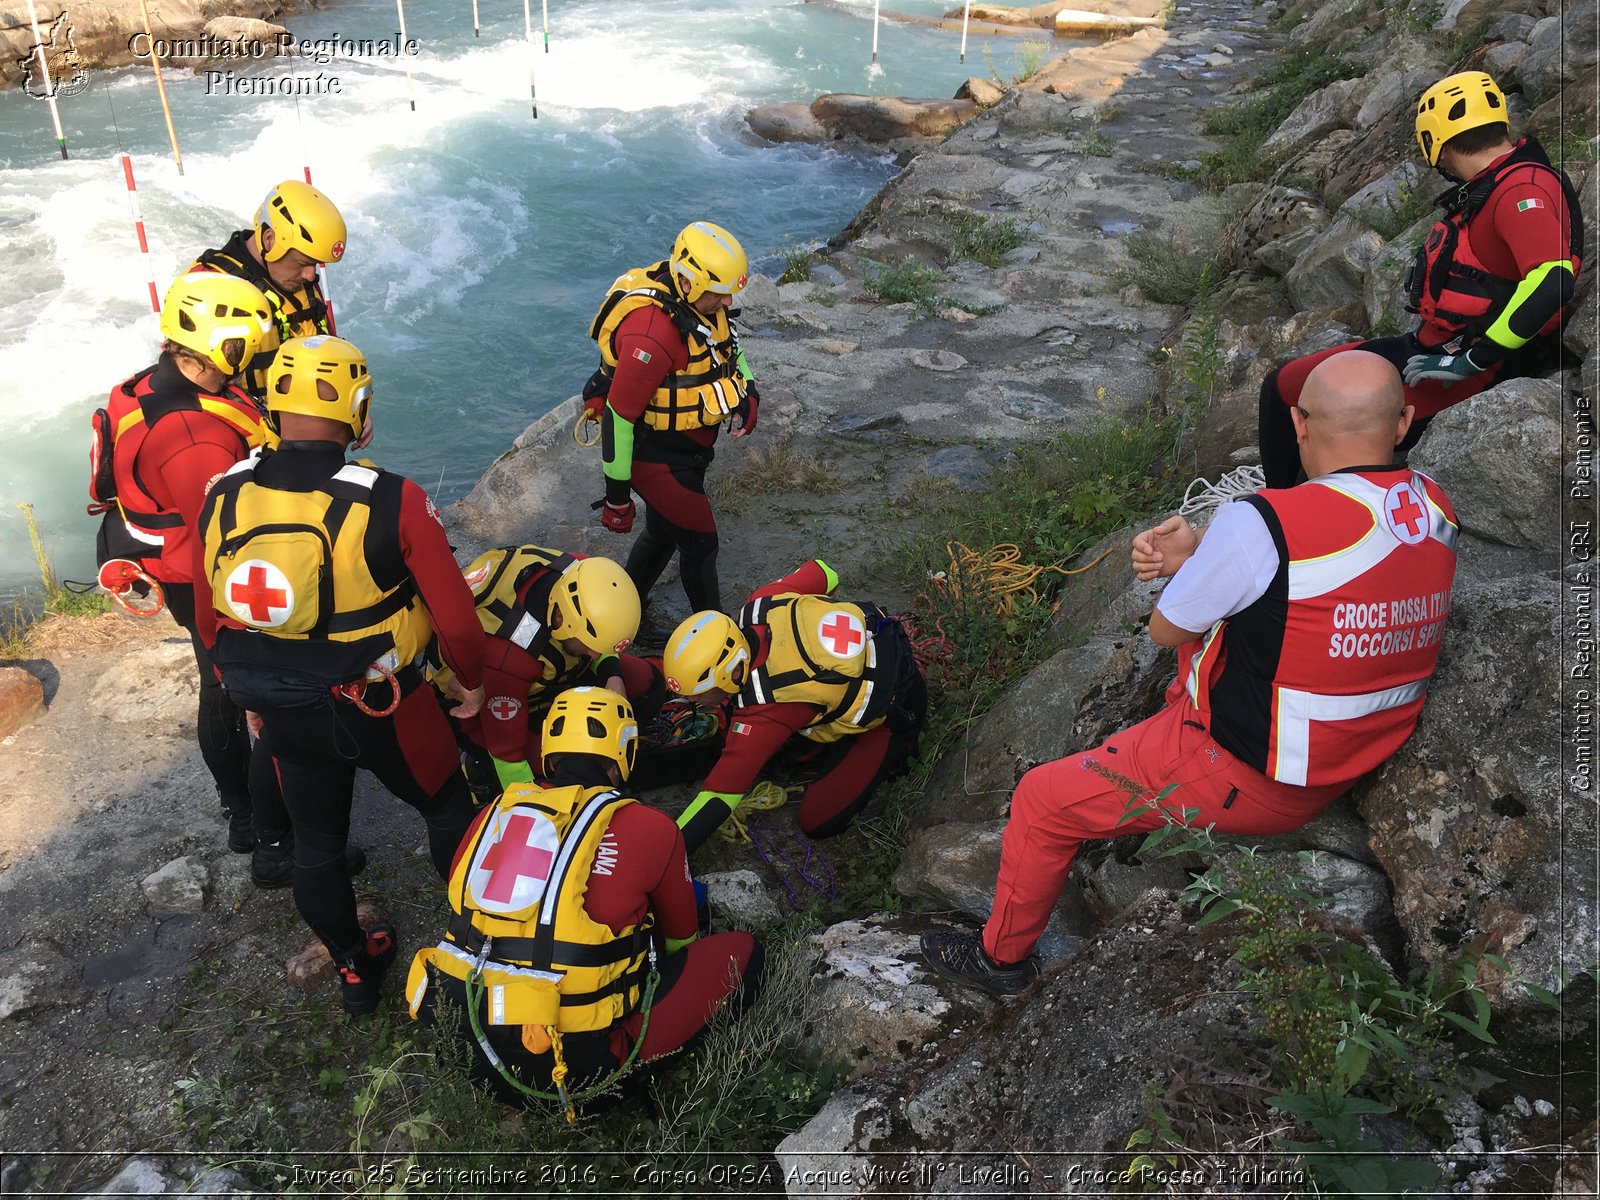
[{"x": 1352, "y": 412}]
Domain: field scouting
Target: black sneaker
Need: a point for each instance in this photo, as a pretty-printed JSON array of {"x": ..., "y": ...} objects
[
  {"x": 272, "y": 864},
  {"x": 361, "y": 974},
  {"x": 241, "y": 830},
  {"x": 958, "y": 954}
]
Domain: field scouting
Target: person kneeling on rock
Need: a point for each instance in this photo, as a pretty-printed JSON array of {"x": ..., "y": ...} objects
[
  {"x": 574, "y": 949},
  {"x": 797, "y": 661},
  {"x": 1307, "y": 622}
]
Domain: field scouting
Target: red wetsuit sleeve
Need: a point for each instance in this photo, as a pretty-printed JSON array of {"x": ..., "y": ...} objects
[
  {"x": 508, "y": 672},
  {"x": 1529, "y": 215},
  {"x": 427, "y": 555},
  {"x": 755, "y": 734},
  {"x": 648, "y": 871},
  {"x": 649, "y": 348},
  {"x": 809, "y": 580},
  {"x": 181, "y": 455}
]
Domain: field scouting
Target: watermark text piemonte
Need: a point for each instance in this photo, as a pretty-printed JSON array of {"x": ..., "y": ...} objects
[{"x": 321, "y": 51}]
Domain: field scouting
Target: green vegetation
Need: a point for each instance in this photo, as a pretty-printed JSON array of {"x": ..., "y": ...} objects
[
  {"x": 1347, "y": 1038},
  {"x": 1389, "y": 221},
  {"x": 1027, "y": 62},
  {"x": 986, "y": 240},
  {"x": 1166, "y": 269},
  {"x": 1246, "y": 125},
  {"x": 797, "y": 260},
  {"x": 909, "y": 281},
  {"x": 1198, "y": 366},
  {"x": 55, "y": 596}
]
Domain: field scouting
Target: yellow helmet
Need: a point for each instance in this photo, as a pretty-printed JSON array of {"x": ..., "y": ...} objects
[
  {"x": 599, "y": 605},
  {"x": 301, "y": 218},
  {"x": 1454, "y": 105},
  {"x": 302, "y": 365},
  {"x": 591, "y": 720},
  {"x": 222, "y": 318},
  {"x": 703, "y": 653},
  {"x": 707, "y": 258}
]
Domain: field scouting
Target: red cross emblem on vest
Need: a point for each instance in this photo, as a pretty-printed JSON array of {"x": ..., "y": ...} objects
[
  {"x": 842, "y": 635},
  {"x": 260, "y": 594},
  {"x": 1406, "y": 514},
  {"x": 512, "y": 869},
  {"x": 503, "y": 708}
]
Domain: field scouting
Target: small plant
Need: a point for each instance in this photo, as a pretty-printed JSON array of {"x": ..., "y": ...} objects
[
  {"x": 797, "y": 260},
  {"x": 1411, "y": 203},
  {"x": 1163, "y": 267},
  {"x": 768, "y": 471},
  {"x": 908, "y": 281},
  {"x": 1198, "y": 362},
  {"x": 1028, "y": 61},
  {"x": 1096, "y": 143},
  {"x": 1246, "y": 125},
  {"x": 986, "y": 240}
]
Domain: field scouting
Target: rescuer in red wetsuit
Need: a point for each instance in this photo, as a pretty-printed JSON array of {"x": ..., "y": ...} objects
[
  {"x": 1308, "y": 623},
  {"x": 553, "y": 620},
  {"x": 671, "y": 372},
  {"x": 328, "y": 579},
  {"x": 798, "y": 662},
  {"x": 574, "y": 878},
  {"x": 1491, "y": 283},
  {"x": 167, "y": 434}
]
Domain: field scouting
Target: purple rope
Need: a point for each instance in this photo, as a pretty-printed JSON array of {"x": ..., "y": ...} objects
[{"x": 767, "y": 841}]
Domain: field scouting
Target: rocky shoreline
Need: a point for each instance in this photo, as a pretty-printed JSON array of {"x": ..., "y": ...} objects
[{"x": 1465, "y": 835}]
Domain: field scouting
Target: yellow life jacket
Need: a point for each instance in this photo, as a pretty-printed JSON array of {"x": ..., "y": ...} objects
[
  {"x": 496, "y": 577},
  {"x": 518, "y": 890},
  {"x": 296, "y": 312},
  {"x": 292, "y": 566},
  {"x": 712, "y": 386},
  {"x": 820, "y": 652}
]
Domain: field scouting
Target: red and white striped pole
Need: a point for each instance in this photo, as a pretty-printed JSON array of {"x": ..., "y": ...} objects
[
  {"x": 138, "y": 225},
  {"x": 322, "y": 273}
]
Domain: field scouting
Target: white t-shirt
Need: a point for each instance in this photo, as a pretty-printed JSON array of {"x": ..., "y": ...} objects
[{"x": 1229, "y": 571}]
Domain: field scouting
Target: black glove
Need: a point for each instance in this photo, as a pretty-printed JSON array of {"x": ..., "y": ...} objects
[{"x": 745, "y": 414}]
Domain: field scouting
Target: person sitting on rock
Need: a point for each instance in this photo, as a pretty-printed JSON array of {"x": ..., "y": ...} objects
[
  {"x": 671, "y": 372},
  {"x": 1491, "y": 283},
  {"x": 798, "y": 662},
  {"x": 575, "y": 947},
  {"x": 297, "y": 231},
  {"x": 553, "y": 620},
  {"x": 1307, "y": 622}
]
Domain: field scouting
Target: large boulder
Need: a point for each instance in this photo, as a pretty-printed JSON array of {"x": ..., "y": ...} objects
[
  {"x": 885, "y": 118},
  {"x": 21, "y": 699},
  {"x": 1480, "y": 837},
  {"x": 1319, "y": 114},
  {"x": 1281, "y": 219},
  {"x": 985, "y": 93},
  {"x": 1066, "y": 1066},
  {"x": 1332, "y": 271},
  {"x": 1077, "y": 23},
  {"x": 1562, "y": 50},
  {"x": 875, "y": 999},
  {"x": 785, "y": 123},
  {"x": 1499, "y": 457},
  {"x": 1394, "y": 91}
]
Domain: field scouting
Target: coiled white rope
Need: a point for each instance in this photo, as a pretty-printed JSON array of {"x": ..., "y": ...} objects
[{"x": 1235, "y": 484}]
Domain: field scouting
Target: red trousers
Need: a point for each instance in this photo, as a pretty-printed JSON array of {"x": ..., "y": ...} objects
[{"x": 1060, "y": 805}]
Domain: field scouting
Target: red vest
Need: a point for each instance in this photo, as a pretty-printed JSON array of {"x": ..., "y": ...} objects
[
  {"x": 1450, "y": 285},
  {"x": 1322, "y": 678},
  {"x": 134, "y": 408}
]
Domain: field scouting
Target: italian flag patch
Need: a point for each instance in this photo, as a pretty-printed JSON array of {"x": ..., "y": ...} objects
[
  {"x": 1525, "y": 205},
  {"x": 644, "y": 355},
  {"x": 740, "y": 727}
]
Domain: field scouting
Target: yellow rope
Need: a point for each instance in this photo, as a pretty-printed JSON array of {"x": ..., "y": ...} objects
[
  {"x": 763, "y": 797},
  {"x": 999, "y": 573},
  {"x": 589, "y": 440}
]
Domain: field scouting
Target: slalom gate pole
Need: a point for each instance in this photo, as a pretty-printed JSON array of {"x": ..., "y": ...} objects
[
  {"x": 966, "y": 16},
  {"x": 138, "y": 228},
  {"x": 49, "y": 90},
  {"x": 875, "y": 4},
  {"x": 527, "y": 31},
  {"x": 476, "y": 32},
  {"x": 322, "y": 274},
  {"x": 400, "y": 7},
  {"x": 161, "y": 87},
  {"x": 546, "y": 4}
]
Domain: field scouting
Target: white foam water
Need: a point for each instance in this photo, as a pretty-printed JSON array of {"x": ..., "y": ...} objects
[{"x": 480, "y": 238}]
